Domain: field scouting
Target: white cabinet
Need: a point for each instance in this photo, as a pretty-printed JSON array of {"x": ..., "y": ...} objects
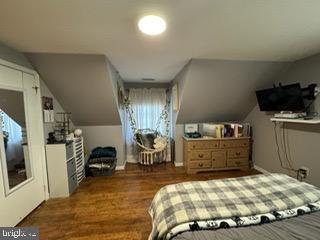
[{"x": 65, "y": 163}]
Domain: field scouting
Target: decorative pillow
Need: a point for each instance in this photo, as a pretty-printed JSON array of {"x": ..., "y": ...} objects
[
  {"x": 159, "y": 142},
  {"x": 146, "y": 140}
]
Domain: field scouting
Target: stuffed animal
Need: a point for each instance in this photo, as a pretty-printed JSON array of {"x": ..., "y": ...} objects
[{"x": 160, "y": 142}]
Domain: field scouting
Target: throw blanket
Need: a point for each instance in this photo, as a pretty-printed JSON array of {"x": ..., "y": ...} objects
[
  {"x": 217, "y": 199},
  {"x": 243, "y": 221}
]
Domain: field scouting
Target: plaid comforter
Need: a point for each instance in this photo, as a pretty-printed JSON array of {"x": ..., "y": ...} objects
[{"x": 215, "y": 199}]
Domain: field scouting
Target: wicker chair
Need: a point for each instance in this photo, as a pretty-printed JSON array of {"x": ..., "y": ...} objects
[{"x": 151, "y": 146}]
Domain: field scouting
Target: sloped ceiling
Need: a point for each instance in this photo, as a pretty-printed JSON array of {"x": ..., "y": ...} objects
[
  {"x": 221, "y": 90},
  {"x": 266, "y": 30},
  {"x": 82, "y": 85}
]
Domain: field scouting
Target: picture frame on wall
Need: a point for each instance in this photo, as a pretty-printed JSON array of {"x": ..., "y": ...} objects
[
  {"x": 175, "y": 97},
  {"x": 48, "y": 112}
]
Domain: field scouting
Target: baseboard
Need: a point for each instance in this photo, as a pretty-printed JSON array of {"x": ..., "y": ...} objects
[
  {"x": 121, "y": 167},
  {"x": 178, "y": 164},
  {"x": 131, "y": 161},
  {"x": 260, "y": 169}
]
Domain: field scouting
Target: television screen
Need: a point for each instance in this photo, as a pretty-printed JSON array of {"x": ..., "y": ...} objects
[{"x": 283, "y": 98}]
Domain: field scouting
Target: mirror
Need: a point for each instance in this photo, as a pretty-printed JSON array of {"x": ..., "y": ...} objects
[{"x": 13, "y": 139}]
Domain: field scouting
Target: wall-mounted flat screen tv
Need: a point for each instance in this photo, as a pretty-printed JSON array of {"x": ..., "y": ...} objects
[{"x": 282, "y": 98}]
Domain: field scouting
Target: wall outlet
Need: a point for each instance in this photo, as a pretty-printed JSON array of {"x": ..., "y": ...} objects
[{"x": 303, "y": 172}]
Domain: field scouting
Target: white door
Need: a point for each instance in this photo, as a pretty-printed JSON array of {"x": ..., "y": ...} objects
[{"x": 21, "y": 146}]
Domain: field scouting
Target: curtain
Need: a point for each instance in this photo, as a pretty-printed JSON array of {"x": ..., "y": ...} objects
[{"x": 147, "y": 105}]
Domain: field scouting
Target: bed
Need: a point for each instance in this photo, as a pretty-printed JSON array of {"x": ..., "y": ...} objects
[{"x": 264, "y": 206}]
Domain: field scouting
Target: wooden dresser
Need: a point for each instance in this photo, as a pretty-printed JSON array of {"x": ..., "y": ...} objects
[{"x": 203, "y": 154}]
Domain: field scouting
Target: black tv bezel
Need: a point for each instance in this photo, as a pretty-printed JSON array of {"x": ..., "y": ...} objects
[{"x": 300, "y": 105}]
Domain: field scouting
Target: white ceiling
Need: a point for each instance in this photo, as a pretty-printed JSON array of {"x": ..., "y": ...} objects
[{"x": 270, "y": 30}]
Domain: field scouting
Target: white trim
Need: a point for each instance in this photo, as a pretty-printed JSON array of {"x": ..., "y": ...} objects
[
  {"x": 43, "y": 156},
  {"x": 131, "y": 161},
  {"x": 18, "y": 67},
  {"x": 260, "y": 169},
  {"x": 178, "y": 164},
  {"x": 121, "y": 167}
]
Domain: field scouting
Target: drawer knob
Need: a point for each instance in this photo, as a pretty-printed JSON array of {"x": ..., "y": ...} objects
[
  {"x": 193, "y": 146},
  {"x": 213, "y": 159},
  {"x": 200, "y": 155},
  {"x": 200, "y": 164},
  {"x": 238, "y": 153}
]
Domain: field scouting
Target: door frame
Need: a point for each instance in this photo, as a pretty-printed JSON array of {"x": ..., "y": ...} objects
[{"x": 43, "y": 156}]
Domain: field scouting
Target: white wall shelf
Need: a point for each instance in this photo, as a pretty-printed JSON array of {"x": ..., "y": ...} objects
[{"x": 315, "y": 120}]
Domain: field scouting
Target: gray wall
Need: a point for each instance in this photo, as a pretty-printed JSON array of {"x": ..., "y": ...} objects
[
  {"x": 18, "y": 58},
  {"x": 304, "y": 140},
  {"x": 11, "y": 55},
  {"x": 95, "y": 136},
  {"x": 222, "y": 90},
  {"x": 218, "y": 90},
  {"x": 45, "y": 92},
  {"x": 82, "y": 84},
  {"x": 180, "y": 80}
]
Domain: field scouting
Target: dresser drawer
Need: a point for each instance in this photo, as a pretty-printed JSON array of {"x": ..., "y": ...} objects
[
  {"x": 199, "y": 155},
  {"x": 193, "y": 145},
  {"x": 219, "y": 159},
  {"x": 226, "y": 144},
  {"x": 71, "y": 167},
  {"x": 234, "y": 143},
  {"x": 238, "y": 153},
  {"x": 237, "y": 162},
  {"x": 200, "y": 164},
  {"x": 215, "y": 155},
  {"x": 241, "y": 143},
  {"x": 69, "y": 150},
  {"x": 73, "y": 183}
]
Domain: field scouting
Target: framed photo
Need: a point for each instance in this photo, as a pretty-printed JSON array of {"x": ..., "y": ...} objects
[
  {"x": 48, "y": 112},
  {"x": 175, "y": 98},
  {"x": 191, "y": 128},
  {"x": 47, "y": 103}
]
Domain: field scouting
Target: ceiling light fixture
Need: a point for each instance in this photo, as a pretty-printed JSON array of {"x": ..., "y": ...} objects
[{"x": 152, "y": 25}]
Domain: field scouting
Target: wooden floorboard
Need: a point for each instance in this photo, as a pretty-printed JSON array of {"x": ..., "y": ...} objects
[{"x": 112, "y": 208}]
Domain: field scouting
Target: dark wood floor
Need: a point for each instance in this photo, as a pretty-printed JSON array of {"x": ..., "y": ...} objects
[{"x": 113, "y": 207}]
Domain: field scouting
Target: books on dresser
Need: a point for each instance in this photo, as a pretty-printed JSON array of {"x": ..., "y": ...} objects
[{"x": 222, "y": 130}]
